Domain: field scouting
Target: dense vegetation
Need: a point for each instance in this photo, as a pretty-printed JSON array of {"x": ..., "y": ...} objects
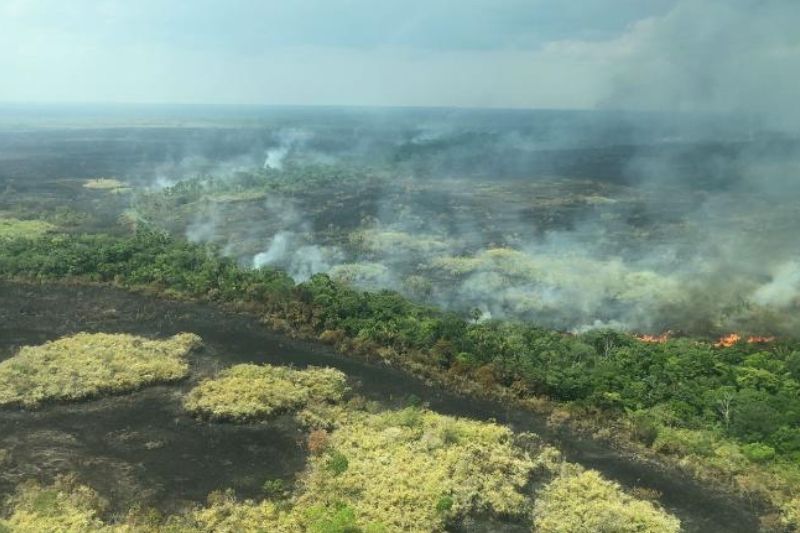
[
  {"x": 250, "y": 392},
  {"x": 730, "y": 412},
  {"x": 88, "y": 364}
]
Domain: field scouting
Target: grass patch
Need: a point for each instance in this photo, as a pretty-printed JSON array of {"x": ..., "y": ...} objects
[
  {"x": 63, "y": 506},
  {"x": 88, "y": 364},
  {"x": 583, "y": 502},
  {"x": 252, "y": 392},
  {"x": 378, "y": 241},
  {"x": 12, "y": 228},
  {"x": 416, "y": 470}
]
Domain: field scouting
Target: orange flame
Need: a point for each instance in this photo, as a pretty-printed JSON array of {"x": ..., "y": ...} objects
[
  {"x": 755, "y": 339},
  {"x": 728, "y": 340},
  {"x": 655, "y": 339}
]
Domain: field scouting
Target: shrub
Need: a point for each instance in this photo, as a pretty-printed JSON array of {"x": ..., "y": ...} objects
[
  {"x": 643, "y": 427},
  {"x": 790, "y": 515},
  {"x": 317, "y": 441},
  {"x": 676, "y": 441},
  {"x": 87, "y": 364},
  {"x": 758, "y": 453},
  {"x": 584, "y": 502},
  {"x": 250, "y": 392},
  {"x": 397, "y": 473},
  {"x": 444, "y": 504},
  {"x": 338, "y": 518},
  {"x": 274, "y": 488},
  {"x": 225, "y": 514},
  {"x": 485, "y": 376},
  {"x": 63, "y": 506},
  {"x": 786, "y": 440},
  {"x": 412, "y": 400},
  {"x": 337, "y": 463}
]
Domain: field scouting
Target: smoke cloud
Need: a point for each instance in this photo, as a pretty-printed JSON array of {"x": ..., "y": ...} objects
[
  {"x": 672, "y": 206},
  {"x": 288, "y": 139}
]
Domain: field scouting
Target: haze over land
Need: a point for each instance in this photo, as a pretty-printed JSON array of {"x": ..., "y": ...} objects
[{"x": 688, "y": 221}]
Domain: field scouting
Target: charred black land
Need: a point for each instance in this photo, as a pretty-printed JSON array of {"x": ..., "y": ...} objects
[{"x": 142, "y": 448}]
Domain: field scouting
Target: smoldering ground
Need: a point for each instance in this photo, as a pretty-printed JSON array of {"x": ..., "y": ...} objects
[{"x": 670, "y": 235}]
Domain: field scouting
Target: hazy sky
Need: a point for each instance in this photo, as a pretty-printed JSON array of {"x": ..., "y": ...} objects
[{"x": 495, "y": 53}]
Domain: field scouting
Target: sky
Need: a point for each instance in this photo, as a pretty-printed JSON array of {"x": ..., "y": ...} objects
[{"x": 661, "y": 54}]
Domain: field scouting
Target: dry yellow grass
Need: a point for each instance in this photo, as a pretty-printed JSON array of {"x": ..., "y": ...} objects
[
  {"x": 384, "y": 241},
  {"x": 88, "y": 364},
  {"x": 250, "y": 392},
  {"x": 581, "y": 501},
  {"x": 416, "y": 470}
]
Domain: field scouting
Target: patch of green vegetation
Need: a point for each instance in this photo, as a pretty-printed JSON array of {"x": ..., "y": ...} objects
[
  {"x": 790, "y": 516},
  {"x": 63, "y": 506},
  {"x": 393, "y": 468},
  {"x": 444, "y": 504},
  {"x": 251, "y": 392},
  {"x": 758, "y": 453},
  {"x": 12, "y": 228},
  {"x": 275, "y": 488},
  {"x": 61, "y": 217},
  {"x": 337, "y": 463},
  {"x": 583, "y": 502},
  {"x": 382, "y": 241},
  {"x": 359, "y": 274},
  {"x": 88, "y": 364}
]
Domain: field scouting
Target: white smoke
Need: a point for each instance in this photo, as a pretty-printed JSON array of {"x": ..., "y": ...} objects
[
  {"x": 301, "y": 261},
  {"x": 277, "y": 251},
  {"x": 728, "y": 56},
  {"x": 288, "y": 140},
  {"x": 203, "y": 225},
  {"x": 312, "y": 259},
  {"x": 783, "y": 290},
  {"x": 291, "y": 247}
]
